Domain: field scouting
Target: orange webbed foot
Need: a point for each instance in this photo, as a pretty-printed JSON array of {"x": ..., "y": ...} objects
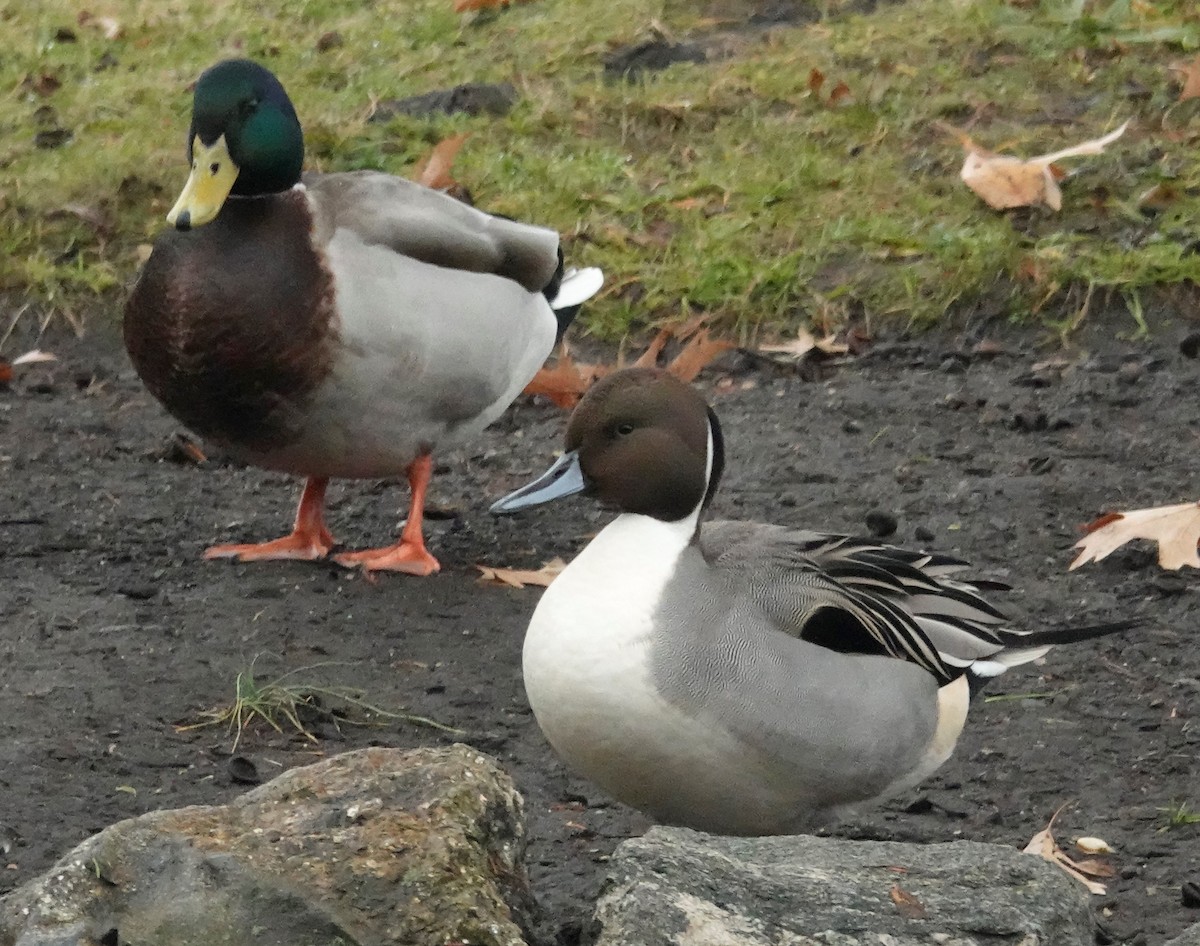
[
  {"x": 310, "y": 538},
  {"x": 409, "y": 555},
  {"x": 301, "y": 546},
  {"x": 410, "y": 558}
]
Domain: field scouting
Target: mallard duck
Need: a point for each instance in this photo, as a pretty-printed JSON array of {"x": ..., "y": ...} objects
[
  {"x": 740, "y": 677},
  {"x": 334, "y": 325}
]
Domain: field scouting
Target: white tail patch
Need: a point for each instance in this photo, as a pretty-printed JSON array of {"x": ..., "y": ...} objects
[
  {"x": 578, "y": 285},
  {"x": 1014, "y": 658},
  {"x": 1006, "y": 660}
]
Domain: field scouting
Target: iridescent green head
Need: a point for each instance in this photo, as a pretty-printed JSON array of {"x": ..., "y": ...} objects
[{"x": 245, "y": 139}]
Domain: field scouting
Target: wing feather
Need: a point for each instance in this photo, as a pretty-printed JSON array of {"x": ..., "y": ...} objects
[{"x": 859, "y": 596}]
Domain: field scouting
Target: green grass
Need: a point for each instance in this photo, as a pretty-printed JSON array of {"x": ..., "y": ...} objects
[
  {"x": 726, "y": 187},
  {"x": 289, "y": 700},
  {"x": 1178, "y": 815}
]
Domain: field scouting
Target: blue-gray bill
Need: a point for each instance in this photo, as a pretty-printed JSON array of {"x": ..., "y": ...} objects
[{"x": 564, "y": 478}]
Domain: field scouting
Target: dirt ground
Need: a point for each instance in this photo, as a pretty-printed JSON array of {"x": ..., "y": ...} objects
[{"x": 113, "y": 630}]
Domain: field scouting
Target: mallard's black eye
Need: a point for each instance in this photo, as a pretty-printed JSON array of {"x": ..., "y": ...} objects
[{"x": 623, "y": 429}]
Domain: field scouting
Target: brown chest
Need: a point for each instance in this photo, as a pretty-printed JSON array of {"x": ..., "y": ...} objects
[{"x": 232, "y": 326}]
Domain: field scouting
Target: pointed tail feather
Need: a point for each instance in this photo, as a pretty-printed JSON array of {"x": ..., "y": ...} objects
[
  {"x": 1073, "y": 635},
  {"x": 1022, "y": 647}
]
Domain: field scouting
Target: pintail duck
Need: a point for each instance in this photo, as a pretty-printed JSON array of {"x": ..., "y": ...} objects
[
  {"x": 736, "y": 677},
  {"x": 334, "y": 325}
]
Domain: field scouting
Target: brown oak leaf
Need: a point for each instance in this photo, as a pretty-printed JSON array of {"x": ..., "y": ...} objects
[{"x": 1176, "y": 529}]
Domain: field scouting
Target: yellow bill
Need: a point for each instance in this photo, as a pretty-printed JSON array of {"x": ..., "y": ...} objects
[{"x": 212, "y": 177}]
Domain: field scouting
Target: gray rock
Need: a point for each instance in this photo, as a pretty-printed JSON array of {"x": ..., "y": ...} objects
[
  {"x": 683, "y": 888},
  {"x": 379, "y": 846},
  {"x": 1189, "y": 937}
]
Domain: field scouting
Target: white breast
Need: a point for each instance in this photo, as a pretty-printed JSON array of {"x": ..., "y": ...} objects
[{"x": 588, "y": 677}]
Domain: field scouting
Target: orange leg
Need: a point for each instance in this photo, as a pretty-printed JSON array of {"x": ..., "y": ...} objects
[
  {"x": 409, "y": 554},
  {"x": 309, "y": 540}
]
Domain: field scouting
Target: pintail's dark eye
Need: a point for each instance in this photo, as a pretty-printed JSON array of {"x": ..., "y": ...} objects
[{"x": 624, "y": 429}]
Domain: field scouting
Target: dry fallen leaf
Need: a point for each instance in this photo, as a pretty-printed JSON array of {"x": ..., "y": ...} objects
[
  {"x": 6, "y": 373},
  {"x": 1044, "y": 845},
  {"x": 699, "y": 351},
  {"x": 803, "y": 344},
  {"x": 1004, "y": 181},
  {"x": 1176, "y": 529},
  {"x": 520, "y": 577},
  {"x": 649, "y": 358},
  {"x": 567, "y": 382},
  {"x": 840, "y": 94},
  {"x": 433, "y": 170},
  {"x": 181, "y": 448},
  {"x": 908, "y": 905},
  {"x": 1190, "y": 73}
]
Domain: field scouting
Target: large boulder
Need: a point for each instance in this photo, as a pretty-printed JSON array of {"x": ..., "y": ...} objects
[
  {"x": 676, "y": 887},
  {"x": 1189, "y": 937},
  {"x": 379, "y": 846}
]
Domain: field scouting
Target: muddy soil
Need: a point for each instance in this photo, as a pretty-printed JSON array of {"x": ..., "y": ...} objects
[{"x": 114, "y": 632}]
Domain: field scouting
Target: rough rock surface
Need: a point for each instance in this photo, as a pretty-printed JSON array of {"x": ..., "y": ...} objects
[
  {"x": 1189, "y": 937},
  {"x": 682, "y": 888},
  {"x": 377, "y": 846}
]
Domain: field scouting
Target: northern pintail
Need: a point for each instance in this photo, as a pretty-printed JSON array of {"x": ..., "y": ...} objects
[
  {"x": 736, "y": 677},
  {"x": 335, "y": 325}
]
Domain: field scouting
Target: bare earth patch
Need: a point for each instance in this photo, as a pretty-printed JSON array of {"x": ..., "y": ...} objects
[{"x": 113, "y": 631}]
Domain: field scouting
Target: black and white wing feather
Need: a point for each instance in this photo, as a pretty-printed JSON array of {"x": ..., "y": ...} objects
[{"x": 859, "y": 596}]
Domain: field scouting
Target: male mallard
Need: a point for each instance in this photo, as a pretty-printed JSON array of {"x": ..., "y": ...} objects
[
  {"x": 739, "y": 677},
  {"x": 335, "y": 325}
]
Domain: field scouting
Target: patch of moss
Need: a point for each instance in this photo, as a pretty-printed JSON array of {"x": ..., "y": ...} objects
[{"x": 732, "y": 185}]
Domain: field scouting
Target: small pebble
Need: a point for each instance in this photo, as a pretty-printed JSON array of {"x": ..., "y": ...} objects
[
  {"x": 1190, "y": 894},
  {"x": 880, "y": 523},
  {"x": 243, "y": 771},
  {"x": 852, "y": 427},
  {"x": 1029, "y": 421},
  {"x": 138, "y": 592},
  {"x": 1130, "y": 372},
  {"x": 1190, "y": 346},
  {"x": 921, "y": 534}
]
